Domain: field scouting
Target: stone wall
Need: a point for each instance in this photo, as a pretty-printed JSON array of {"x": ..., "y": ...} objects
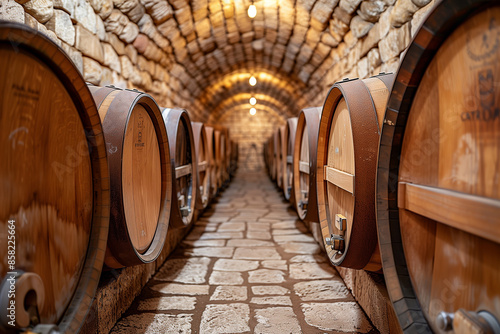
[{"x": 179, "y": 50}]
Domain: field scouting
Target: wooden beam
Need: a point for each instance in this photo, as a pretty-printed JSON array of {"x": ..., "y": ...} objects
[
  {"x": 289, "y": 159},
  {"x": 470, "y": 213},
  {"x": 304, "y": 167},
  {"x": 202, "y": 166},
  {"x": 182, "y": 171},
  {"x": 340, "y": 179}
]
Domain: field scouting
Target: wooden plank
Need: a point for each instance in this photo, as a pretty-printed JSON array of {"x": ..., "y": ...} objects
[
  {"x": 202, "y": 166},
  {"x": 304, "y": 167},
  {"x": 289, "y": 159},
  {"x": 340, "y": 179},
  {"x": 476, "y": 215},
  {"x": 182, "y": 170}
]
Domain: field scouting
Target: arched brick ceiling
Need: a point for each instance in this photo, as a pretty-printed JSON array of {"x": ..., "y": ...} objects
[
  {"x": 216, "y": 47},
  {"x": 271, "y": 88}
]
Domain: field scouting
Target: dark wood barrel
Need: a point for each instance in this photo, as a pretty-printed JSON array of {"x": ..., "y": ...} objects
[
  {"x": 271, "y": 157},
  {"x": 225, "y": 154},
  {"x": 219, "y": 161},
  {"x": 304, "y": 167},
  {"x": 438, "y": 175},
  {"x": 213, "y": 162},
  {"x": 54, "y": 212},
  {"x": 204, "y": 164},
  {"x": 265, "y": 150},
  {"x": 138, "y": 159},
  {"x": 184, "y": 167},
  {"x": 234, "y": 158},
  {"x": 347, "y": 159},
  {"x": 289, "y": 141},
  {"x": 276, "y": 144},
  {"x": 280, "y": 156},
  {"x": 227, "y": 165}
]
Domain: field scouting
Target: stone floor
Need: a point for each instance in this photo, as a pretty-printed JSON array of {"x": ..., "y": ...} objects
[{"x": 248, "y": 266}]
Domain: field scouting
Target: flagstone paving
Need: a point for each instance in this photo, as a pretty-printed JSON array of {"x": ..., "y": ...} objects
[{"x": 248, "y": 266}]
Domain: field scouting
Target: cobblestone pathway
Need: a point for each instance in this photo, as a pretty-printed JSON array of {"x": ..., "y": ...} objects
[{"x": 248, "y": 266}]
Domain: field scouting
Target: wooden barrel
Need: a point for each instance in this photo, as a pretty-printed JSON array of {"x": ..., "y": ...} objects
[
  {"x": 438, "y": 175},
  {"x": 234, "y": 158},
  {"x": 138, "y": 159},
  {"x": 271, "y": 157},
  {"x": 54, "y": 212},
  {"x": 204, "y": 164},
  {"x": 184, "y": 167},
  {"x": 227, "y": 165},
  {"x": 304, "y": 167},
  {"x": 289, "y": 141},
  {"x": 213, "y": 168},
  {"x": 225, "y": 154},
  {"x": 219, "y": 161},
  {"x": 280, "y": 156},
  {"x": 265, "y": 150},
  {"x": 347, "y": 157}
]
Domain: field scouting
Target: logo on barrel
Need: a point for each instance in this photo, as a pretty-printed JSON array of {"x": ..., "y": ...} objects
[
  {"x": 480, "y": 48},
  {"x": 486, "y": 111},
  {"x": 139, "y": 144}
]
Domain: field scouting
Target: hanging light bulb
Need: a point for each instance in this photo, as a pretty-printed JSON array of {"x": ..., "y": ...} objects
[
  {"x": 252, "y": 11},
  {"x": 253, "y": 101},
  {"x": 252, "y": 81},
  {"x": 252, "y": 111}
]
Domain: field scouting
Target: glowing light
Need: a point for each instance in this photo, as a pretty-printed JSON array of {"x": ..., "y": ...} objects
[
  {"x": 252, "y": 11},
  {"x": 252, "y": 81},
  {"x": 253, "y": 101},
  {"x": 252, "y": 111}
]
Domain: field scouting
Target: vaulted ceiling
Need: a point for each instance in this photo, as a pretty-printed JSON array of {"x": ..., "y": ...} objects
[{"x": 216, "y": 47}]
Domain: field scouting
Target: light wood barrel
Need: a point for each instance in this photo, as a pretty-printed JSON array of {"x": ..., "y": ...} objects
[
  {"x": 280, "y": 160},
  {"x": 54, "y": 208},
  {"x": 438, "y": 174},
  {"x": 204, "y": 164},
  {"x": 138, "y": 159},
  {"x": 347, "y": 159},
  {"x": 213, "y": 168},
  {"x": 289, "y": 141},
  {"x": 184, "y": 167},
  {"x": 304, "y": 167}
]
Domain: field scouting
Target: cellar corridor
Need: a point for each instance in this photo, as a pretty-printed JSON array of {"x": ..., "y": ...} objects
[{"x": 248, "y": 265}]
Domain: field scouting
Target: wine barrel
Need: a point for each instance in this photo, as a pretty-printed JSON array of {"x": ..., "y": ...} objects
[
  {"x": 271, "y": 157},
  {"x": 438, "y": 175},
  {"x": 227, "y": 168},
  {"x": 226, "y": 155},
  {"x": 204, "y": 164},
  {"x": 218, "y": 152},
  {"x": 234, "y": 158},
  {"x": 213, "y": 168},
  {"x": 54, "y": 212},
  {"x": 280, "y": 160},
  {"x": 184, "y": 167},
  {"x": 265, "y": 150},
  {"x": 347, "y": 157},
  {"x": 138, "y": 159},
  {"x": 304, "y": 167},
  {"x": 289, "y": 141}
]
